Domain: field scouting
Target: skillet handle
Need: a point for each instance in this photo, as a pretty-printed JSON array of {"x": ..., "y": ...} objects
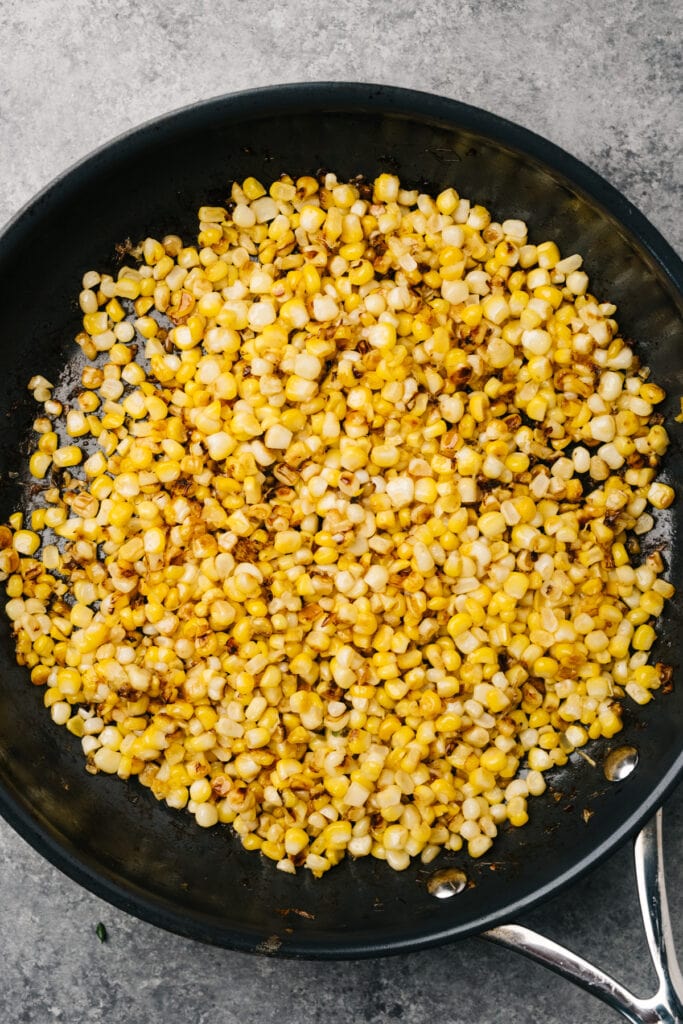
[{"x": 666, "y": 1005}]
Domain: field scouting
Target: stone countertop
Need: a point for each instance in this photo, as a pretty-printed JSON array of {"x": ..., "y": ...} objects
[{"x": 603, "y": 81}]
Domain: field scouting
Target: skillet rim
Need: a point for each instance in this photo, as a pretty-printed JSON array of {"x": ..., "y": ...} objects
[{"x": 331, "y": 96}]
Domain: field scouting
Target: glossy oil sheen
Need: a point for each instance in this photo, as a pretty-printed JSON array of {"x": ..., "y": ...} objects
[{"x": 114, "y": 837}]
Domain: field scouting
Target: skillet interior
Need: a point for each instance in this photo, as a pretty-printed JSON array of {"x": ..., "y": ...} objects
[{"x": 114, "y": 837}]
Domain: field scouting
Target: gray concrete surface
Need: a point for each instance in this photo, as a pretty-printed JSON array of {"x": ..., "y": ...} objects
[{"x": 602, "y": 80}]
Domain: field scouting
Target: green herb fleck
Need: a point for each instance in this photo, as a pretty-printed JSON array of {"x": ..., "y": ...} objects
[{"x": 101, "y": 932}]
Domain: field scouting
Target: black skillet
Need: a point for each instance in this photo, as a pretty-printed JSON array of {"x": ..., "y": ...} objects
[{"x": 113, "y": 837}]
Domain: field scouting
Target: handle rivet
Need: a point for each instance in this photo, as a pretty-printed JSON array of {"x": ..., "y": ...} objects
[
  {"x": 620, "y": 763},
  {"x": 446, "y": 883}
]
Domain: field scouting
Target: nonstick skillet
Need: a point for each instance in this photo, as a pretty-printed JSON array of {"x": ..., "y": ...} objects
[{"x": 113, "y": 837}]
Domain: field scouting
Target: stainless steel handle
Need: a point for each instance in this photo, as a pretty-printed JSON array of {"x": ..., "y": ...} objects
[{"x": 666, "y": 1005}]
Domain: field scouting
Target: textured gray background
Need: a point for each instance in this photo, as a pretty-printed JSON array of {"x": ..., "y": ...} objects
[{"x": 604, "y": 86}]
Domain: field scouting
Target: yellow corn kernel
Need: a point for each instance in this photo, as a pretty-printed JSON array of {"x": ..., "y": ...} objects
[
  {"x": 296, "y": 840},
  {"x": 69, "y": 455},
  {"x": 493, "y": 760},
  {"x": 643, "y": 638},
  {"x": 459, "y": 624},
  {"x": 26, "y": 542},
  {"x": 39, "y": 464},
  {"x": 471, "y": 315},
  {"x": 496, "y": 700},
  {"x": 252, "y": 188},
  {"x": 661, "y": 495},
  {"x": 547, "y": 254}
]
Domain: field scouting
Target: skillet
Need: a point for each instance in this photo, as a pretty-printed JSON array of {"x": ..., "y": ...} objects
[{"x": 114, "y": 838}]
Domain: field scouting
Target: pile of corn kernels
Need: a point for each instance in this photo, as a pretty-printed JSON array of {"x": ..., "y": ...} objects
[{"x": 338, "y": 540}]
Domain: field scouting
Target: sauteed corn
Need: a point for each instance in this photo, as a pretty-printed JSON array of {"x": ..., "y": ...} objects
[{"x": 338, "y": 540}]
